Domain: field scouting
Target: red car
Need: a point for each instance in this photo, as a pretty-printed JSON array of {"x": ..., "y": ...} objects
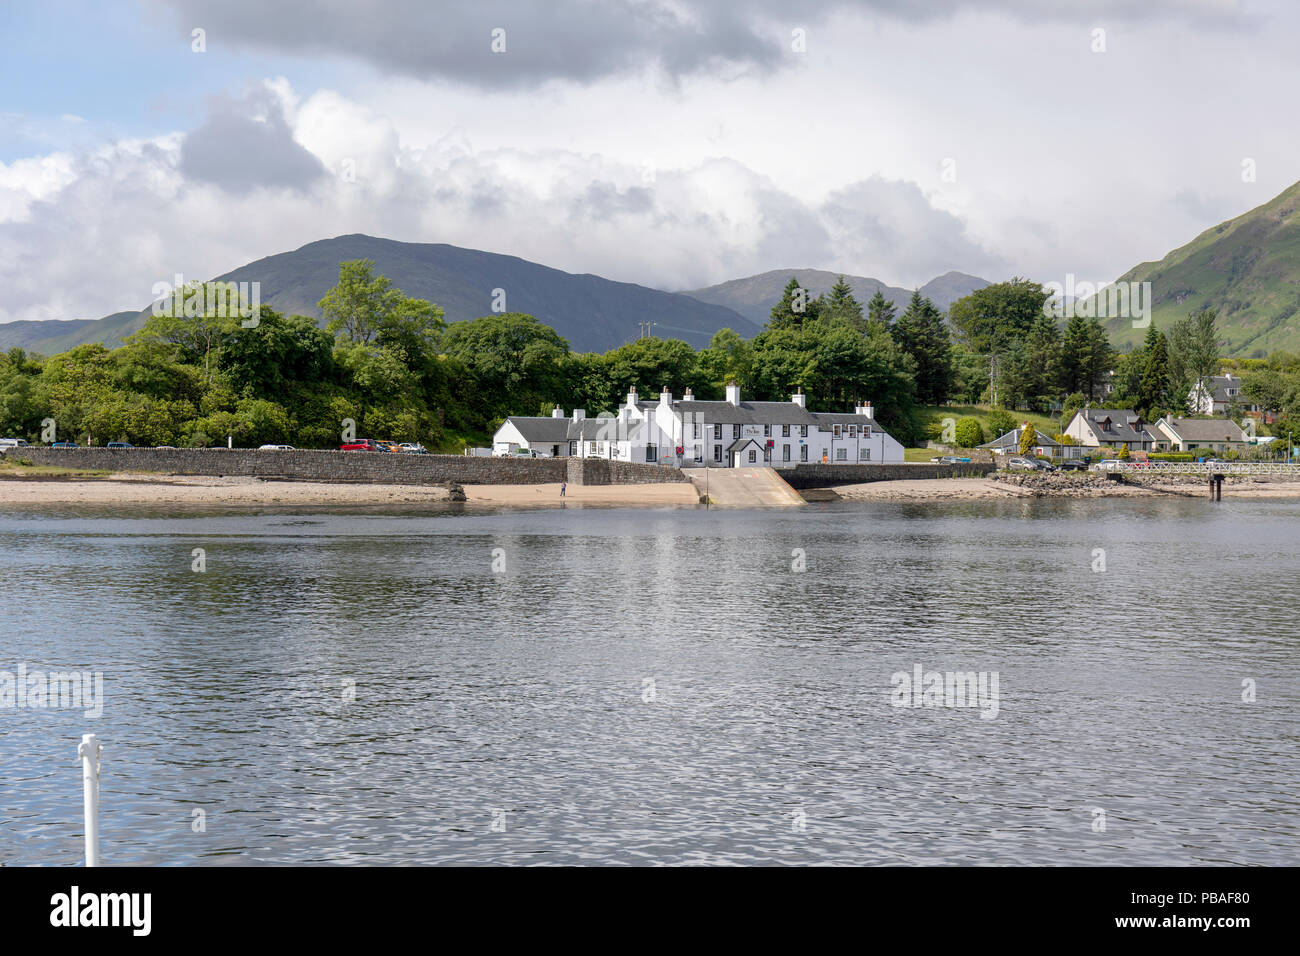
[{"x": 361, "y": 444}]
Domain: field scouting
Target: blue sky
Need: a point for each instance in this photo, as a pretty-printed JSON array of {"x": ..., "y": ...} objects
[
  {"x": 674, "y": 143},
  {"x": 123, "y": 67}
]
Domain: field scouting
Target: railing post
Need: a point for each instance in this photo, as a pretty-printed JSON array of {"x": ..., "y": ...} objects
[{"x": 89, "y": 752}]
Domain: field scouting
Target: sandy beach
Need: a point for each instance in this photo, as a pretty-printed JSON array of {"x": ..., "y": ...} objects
[{"x": 136, "y": 489}]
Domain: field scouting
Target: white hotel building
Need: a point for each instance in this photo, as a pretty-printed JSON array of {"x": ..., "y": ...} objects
[{"x": 688, "y": 433}]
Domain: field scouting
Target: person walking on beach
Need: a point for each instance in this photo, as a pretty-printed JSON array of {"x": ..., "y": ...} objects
[{"x": 563, "y": 486}]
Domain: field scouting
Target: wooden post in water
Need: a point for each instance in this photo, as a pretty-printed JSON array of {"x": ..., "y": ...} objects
[{"x": 1216, "y": 487}]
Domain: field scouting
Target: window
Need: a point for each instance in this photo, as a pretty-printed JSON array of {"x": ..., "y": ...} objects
[
  {"x": 853, "y": 431},
  {"x": 695, "y": 430},
  {"x": 753, "y": 456},
  {"x": 735, "y": 431},
  {"x": 785, "y": 452},
  {"x": 767, "y": 431},
  {"x": 864, "y": 454},
  {"x": 767, "y": 454},
  {"x": 717, "y": 431},
  {"x": 836, "y": 432},
  {"x": 803, "y": 452},
  {"x": 841, "y": 454},
  {"x": 651, "y": 453},
  {"x": 803, "y": 431},
  {"x": 785, "y": 431},
  {"x": 699, "y": 452},
  {"x": 717, "y": 453}
]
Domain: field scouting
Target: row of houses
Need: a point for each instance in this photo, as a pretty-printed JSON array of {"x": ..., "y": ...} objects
[
  {"x": 1111, "y": 427},
  {"x": 684, "y": 432}
]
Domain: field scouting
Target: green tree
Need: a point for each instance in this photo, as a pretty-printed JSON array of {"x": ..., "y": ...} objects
[
  {"x": 796, "y": 307},
  {"x": 880, "y": 312},
  {"x": 990, "y": 319},
  {"x": 840, "y": 306},
  {"x": 1028, "y": 437},
  {"x": 364, "y": 308},
  {"x": 969, "y": 433},
  {"x": 1153, "y": 390},
  {"x": 921, "y": 334},
  {"x": 1001, "y": 421},
  {"x": 194, "y": 321},
  {"x": 511, "y": 362}
]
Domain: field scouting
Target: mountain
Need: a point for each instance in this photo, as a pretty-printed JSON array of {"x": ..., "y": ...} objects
[
  {"x": 1248, "y": 268},
  {"x": 754, "y": 296},
  {"x": 592, "y": 313},
  {"x": 58, "y": 335}
]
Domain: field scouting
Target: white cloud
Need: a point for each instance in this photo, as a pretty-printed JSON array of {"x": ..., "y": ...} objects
[{"x": 128, "y": 216}]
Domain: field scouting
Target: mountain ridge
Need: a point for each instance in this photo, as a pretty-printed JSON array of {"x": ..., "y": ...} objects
[
  {"x": 1247, "y": 267},
  {"x": 591, "y": 312}
]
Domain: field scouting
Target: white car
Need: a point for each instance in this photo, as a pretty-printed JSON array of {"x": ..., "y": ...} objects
[
  {"x": 6, "y": 443},
  {"x": 413, "y": 448},
  {"x": 1107, "y": 464},
  {"x": 275, "y": 448}
]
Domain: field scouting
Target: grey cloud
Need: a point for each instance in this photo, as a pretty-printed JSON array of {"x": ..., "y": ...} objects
[
  {"x": 246, "y": 145},
  {"x": 582, "y": 41},
  {"x": 891, "y": 226}
]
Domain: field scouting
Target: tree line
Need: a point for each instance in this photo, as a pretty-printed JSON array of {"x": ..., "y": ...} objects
[{"x": 395, "y": 367}]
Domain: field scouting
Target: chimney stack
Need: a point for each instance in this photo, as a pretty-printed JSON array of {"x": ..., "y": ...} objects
[
  {"x": 799, "y": 398},
  {"x": 631, "y": 396},
  {"x": 665, "y": 396},
  {"x": 688, "y": 397},
  {"x": 579, "y": 414},
  {"x": 733, "y": 394},
  {"x": 869, "y": 411},
  {"x": 557, "y": 412}
]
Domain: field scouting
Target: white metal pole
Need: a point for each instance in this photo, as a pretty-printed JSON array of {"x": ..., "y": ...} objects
[{"x": 89, "y": 752}]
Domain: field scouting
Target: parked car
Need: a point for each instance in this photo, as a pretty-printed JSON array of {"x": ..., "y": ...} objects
[
  {"x": 1107, "y": 464},
  {"x": 384, "y": 445},
  {"x": 120, "y": 444},
  {"x": 275, "y": 448},
  {"x": 360, "y": 444},
  {"x": 413, "y": 448},
  {"x": 12, "y": 443},
  {"x": 1043, "y": 465},
  {"x": 1072, "y": 464},
  {"x": 65, "y": 444},
  {"x": 1021, "y": 464}
]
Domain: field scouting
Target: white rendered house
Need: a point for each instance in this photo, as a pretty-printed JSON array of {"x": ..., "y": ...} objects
[{"x": 728, "y": 434}]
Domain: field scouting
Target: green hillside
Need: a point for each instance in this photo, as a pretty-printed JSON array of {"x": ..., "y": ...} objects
[{"x": 1248, "y": 268}]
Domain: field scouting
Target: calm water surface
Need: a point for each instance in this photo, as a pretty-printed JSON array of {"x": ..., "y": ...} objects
[{"x": 645, "y": 686}]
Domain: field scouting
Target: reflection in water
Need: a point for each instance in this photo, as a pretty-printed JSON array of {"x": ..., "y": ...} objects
[{"x": 659, "y": 686}]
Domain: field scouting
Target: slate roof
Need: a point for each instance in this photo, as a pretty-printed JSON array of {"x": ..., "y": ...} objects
[
  {"x": 1205, "y": 429},
  {"x": 1122, "y": 425},
  {"x": 541, "y": 430},
  {"x": 1219, "y": 385},
  {"x": 747, "y": 413},
  {"x": 603, "y": 429},
  {"x": 825, "y": 420}
]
